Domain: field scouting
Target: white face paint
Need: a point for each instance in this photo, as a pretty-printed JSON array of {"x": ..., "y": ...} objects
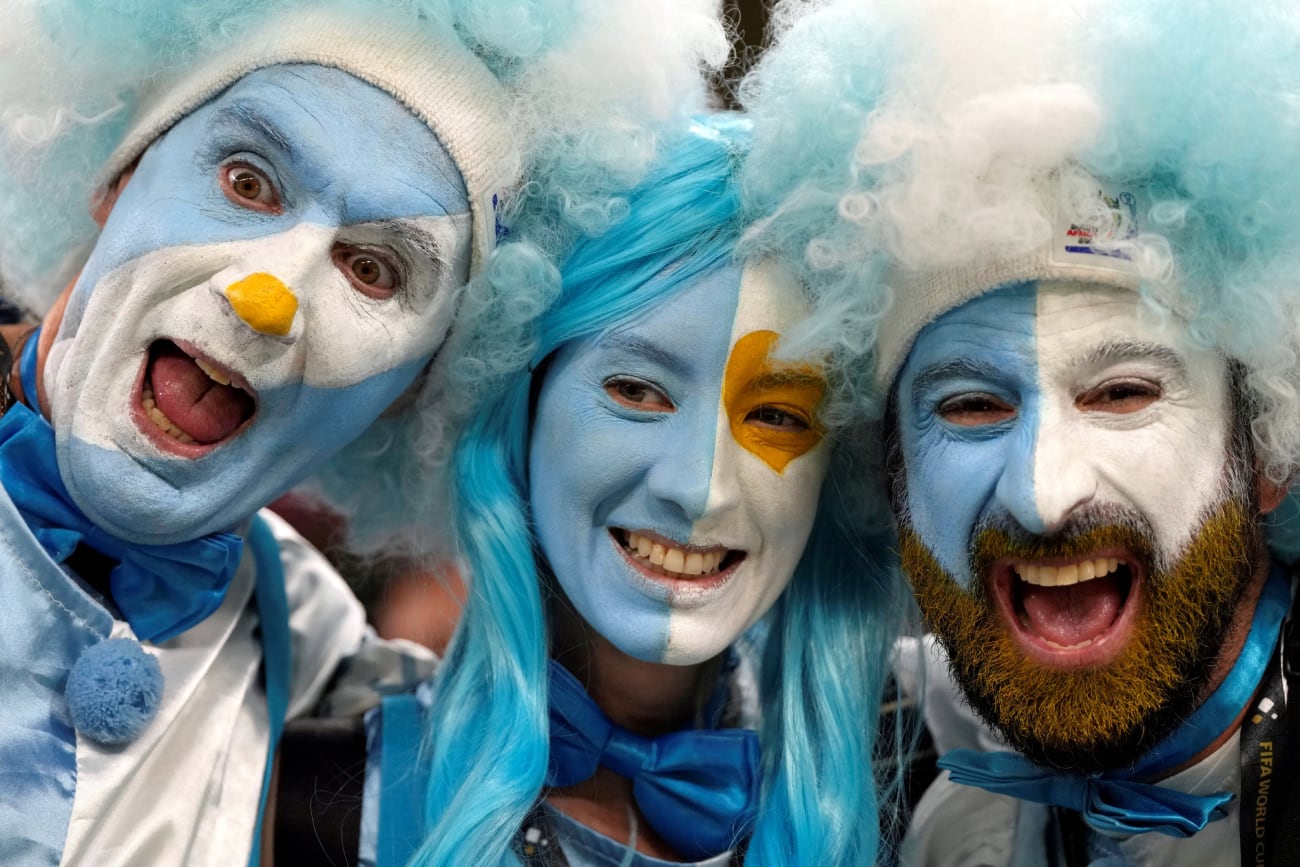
[
  {"x": 675, "y": 470},
  {"x": 300, "y": 237},
  {"x": 1038, "y": 401}
]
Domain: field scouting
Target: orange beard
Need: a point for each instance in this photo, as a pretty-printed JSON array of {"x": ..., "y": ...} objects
[{"x": 1108, "y": 716}]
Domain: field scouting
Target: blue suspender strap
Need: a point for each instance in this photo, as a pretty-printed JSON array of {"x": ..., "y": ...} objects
[
  {"x": 273, "y": 610},
  {"x": 27, "y": 370},
  {"x": 403, "y": 780}
]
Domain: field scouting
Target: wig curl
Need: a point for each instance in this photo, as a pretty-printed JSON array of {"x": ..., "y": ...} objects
[
  {"x": 828, "y": 635},
  {"x": 915, "y": 133},
  {"x": 590, "y": 85}
]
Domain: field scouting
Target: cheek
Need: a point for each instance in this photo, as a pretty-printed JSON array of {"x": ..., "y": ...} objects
[
  {"x": 949, "y": 484},
  {"x": 784, "y": 505}
]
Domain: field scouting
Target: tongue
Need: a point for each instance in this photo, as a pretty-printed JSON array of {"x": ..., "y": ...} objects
[
  {"x": 206, "y": 410},
  {"x": 1073, "y": 614}
]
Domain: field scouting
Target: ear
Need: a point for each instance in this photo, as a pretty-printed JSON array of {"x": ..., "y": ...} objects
[
  {"x": 107, "y": 197},
  {"x": 1270, "y": 493}
]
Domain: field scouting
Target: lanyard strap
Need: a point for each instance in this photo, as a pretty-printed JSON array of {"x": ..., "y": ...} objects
[{"x": 1270, "y": 734}]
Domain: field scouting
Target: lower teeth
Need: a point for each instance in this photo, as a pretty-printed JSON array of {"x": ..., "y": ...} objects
[{"x": 156, "y": 415}]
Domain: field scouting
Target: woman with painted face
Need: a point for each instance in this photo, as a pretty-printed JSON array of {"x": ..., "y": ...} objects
[{"x": 630, "y": 508}]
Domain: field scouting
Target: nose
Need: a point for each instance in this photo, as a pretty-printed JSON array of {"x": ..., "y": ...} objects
[
  {"x": 264, "y": 303},
  {"x": 1045, "y": 479},
  {"x": 1066, "y": 480},
  {"x": 682, "y": 471}
]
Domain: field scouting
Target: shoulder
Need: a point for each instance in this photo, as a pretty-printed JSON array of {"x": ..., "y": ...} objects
[{"x": 961, "y": 826}]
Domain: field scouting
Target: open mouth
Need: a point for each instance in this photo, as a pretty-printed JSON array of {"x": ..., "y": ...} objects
[
  {"x": 195, "y": 403},
  {"x": 1076, "y": 610},
  {"x": 658, "y": 556}
]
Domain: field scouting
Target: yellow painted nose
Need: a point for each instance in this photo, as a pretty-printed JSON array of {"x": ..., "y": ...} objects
[{"x": 264, "y": 303}]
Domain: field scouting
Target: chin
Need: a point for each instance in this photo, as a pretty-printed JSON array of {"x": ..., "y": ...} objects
[{"x": 1102, "y": 704}]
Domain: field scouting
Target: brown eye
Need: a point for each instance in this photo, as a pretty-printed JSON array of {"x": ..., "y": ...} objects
[
  {"x": 1119, "y": 396},
  {"x": 974, "y": 410},
  {"x": 368, "y": 272},
  {"x": 636, "y": 394},
  {"x": 777, "y": 418},
  {"x": 249, "y": 188}
]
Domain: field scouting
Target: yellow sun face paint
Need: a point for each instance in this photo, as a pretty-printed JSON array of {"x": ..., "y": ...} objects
[
  {"x": 264, "y": 303},
  {"x": 753, "y": 381}
]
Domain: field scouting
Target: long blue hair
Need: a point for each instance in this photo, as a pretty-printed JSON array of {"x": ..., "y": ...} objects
[{"x": 828, "y": 636}]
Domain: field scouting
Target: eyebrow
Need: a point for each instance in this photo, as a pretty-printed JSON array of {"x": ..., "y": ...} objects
[
  {"x": 956, "y": 368},
  {"x": 412, "y": 234},
  {"x": 800, "y": 377},
  {"x": 1124, "y": 350},
  {"x": 636, "y": 346},
  {"x": 257, "y": 122}
]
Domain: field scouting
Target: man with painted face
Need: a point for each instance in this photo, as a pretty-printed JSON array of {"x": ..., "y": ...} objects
[
  {"x": 289, "y": 203},
  {"x": 1081, "y": 291}
]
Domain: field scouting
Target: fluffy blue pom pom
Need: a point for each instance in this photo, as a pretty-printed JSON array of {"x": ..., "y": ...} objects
[{"x": 113, "y": 691}]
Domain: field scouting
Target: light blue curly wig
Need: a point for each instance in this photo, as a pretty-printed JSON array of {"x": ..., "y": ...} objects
[
  {"x": 589, "y": 83},
  {"x": 829, "y": 634},
  {"x": 912, "y": 133}
]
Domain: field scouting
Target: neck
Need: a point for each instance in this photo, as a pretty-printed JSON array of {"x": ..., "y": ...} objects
[
  {"x": 14, "y": 337},
  {"x": 647, "y": 698}
]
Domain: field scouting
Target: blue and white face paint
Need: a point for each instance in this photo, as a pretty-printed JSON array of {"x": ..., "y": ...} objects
[
  {"x": 1035, "y": 401},
  {"x": 278, "y": 270},
  {"x": 675, "y": 469}
]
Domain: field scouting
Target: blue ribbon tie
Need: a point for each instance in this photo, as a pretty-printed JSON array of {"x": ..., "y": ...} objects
[
  {"x": 161, "y": 590},
  {"x": 1108, "y": 804},
  {"x": 697, "y": 788}
]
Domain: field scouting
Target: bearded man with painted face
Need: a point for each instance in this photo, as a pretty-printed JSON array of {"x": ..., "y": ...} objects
[
  {"x": 1075, "y": 238},
  {"x": 288, "y": 205}
]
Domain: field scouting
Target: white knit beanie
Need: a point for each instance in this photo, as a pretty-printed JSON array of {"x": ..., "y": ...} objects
[
  {"x": 441, "y": 81},
  {"x": 1095, "y": 239}
]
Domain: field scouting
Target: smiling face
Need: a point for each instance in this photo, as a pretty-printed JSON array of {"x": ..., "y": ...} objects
[
  {"x": 277, "y": 270},
  {"x": 1076, "y": 514},
  {"x": 675, "y": 468}
]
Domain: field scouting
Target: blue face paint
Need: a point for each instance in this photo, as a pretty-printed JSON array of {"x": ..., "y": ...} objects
[
  {"x": 598, "y": 465},
  {"x": 955, "y": 474},
  {"x": 359, "y": 226},
  {"x": 1036, "y": 403},
  {"x": 675, "y": 470}
]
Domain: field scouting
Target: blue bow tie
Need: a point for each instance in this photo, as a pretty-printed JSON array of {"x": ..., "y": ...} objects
[
  {"x": 1111, "y": 805},
  {"x": 697, "y": 788},
  {"x": 161, "y": 590},
  {"x": 1115, "y": 802}
]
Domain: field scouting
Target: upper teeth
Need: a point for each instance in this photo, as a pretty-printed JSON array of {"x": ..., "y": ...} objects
[
  {"x": 156, "y": 416},
  {"x": 1057, "y": 576},
  {"x": 677, "y": 560},
  {"x": 213, "y": 374}
]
